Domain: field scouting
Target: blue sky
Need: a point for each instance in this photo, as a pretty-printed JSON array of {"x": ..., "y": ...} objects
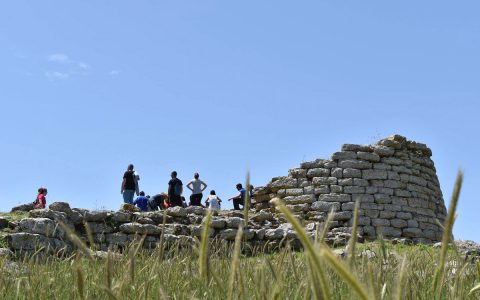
[{"x": 220, "y": 87}]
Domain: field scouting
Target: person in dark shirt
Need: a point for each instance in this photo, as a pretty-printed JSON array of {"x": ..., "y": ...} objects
[
  {"x": 240, "y": 198},
  {"x": 141, "y": 202},
  {"x": 129, "y": 185},
  {"x": 156, "y": 202},
  {"x": 175, "y": 189}
]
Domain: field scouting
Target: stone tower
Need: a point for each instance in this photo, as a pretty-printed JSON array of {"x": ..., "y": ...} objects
[{"x": 394, "y": 181}]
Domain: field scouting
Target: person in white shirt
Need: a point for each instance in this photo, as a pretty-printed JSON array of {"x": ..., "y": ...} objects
[
  {"x": 197, "y": 187},
  {"x": 213, "y": 202}
]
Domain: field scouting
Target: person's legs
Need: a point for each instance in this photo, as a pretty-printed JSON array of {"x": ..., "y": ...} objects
[
  {"x": 236, "y": 204},
  {"x": 196, "y": 199},
  {"x": 128, "y": 196},
  {"x": 176, "y": 201}
]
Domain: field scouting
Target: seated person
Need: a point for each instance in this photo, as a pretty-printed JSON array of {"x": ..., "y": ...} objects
[
  {"x": 141, "y": 202},
  {"x": 213, "y": 201},
  {"x": 240, "y": 198},
  {"x": 157, "y": 202}
]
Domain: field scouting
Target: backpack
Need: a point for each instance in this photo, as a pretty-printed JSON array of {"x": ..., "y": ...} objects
[{"x": 178, "y": 188}]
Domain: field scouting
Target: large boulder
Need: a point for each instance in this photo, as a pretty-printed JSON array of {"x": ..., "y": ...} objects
[
  {"x": 176, "y": 211},
  {"x": 24, "y": 207},
  {"x": 50, "y": 214},
  {"x": 44, "y": 226},
  {"x": 61, "y": 206}
]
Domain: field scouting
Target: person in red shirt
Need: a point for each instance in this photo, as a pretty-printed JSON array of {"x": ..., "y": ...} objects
[{"x": 41, "y": 200}]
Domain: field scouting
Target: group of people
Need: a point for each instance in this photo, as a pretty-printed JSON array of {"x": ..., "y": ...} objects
[{"x": 174, "y": 196}]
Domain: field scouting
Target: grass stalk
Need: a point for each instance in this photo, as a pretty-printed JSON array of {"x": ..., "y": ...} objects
[{"x": 447, "y": 233}]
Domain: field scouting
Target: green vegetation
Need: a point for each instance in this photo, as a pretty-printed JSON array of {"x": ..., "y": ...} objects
[{"x": 378, "y": 270}]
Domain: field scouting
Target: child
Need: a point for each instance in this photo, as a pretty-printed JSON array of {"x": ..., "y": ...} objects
[
  {"x": 213, "y": 202},
  {"x": 141, "y": 202},
  {"x": 41, "y": 200}
]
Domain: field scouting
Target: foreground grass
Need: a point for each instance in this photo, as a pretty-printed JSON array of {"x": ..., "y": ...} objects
[
  {"x": 377, "y": 270},
  {"x": 284, "y": 275}
]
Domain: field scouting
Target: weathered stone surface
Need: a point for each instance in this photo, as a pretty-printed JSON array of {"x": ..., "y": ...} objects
[
  {"x": 352, "y": 173},
  {"x": 234, "y": 222},
  {"x": 197, "y": 210},
  {"x": 335, "y": 198},
  {"x": 368, "y": 156},
  {"x": 299, "y": 199},
  {"x": 6, "y": 253},
  {"x": 283, "y": 183},
  {"x": 24, "y": 207},
  {"x": 383, "y": 151},
  {"x": 176, "y": 211},
  {"x": 354, "y": 164},
  {"x": 344, "y": 155},
  {"x": 324, "y": 180},
  {"x": 275, "y": 234},
  {"x": 132, "y": 228},
  {"x": 61, "y": 206},
  {"x": 356, "y": 148},
  {"x": 262, "y": 216},
  {"x": 121, "y": 217},
  {"x": 374, "y": 174},
  {"x": 96, "y": 215},
  {"x": 99, "y": 227},
  {"x": 50, "y": 214},
  {"x": 318, "y": 172},
  {"x": 297, "y": 173},
  {"x": 325, "y": 206},
  {"x": 44, "y": 226}
]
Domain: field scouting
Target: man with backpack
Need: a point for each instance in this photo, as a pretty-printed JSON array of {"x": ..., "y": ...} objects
[{"x": 175, "y": 189}]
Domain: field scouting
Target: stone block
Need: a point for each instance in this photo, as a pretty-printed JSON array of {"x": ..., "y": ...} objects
[
  {"x": 342, "y": 216},
  {"x": 324, "y": 206},
  {"x": 382, "y": 166},
  {"x": 368, "y": 156},
  {"x": 363, "y": 198},
  {"x": 394, "y": 184},
  {"x": 299, "y": 199},
  {"x": 412, "y": 223},
  {"x": 404, "y": 215},
  {"x": 386, "y": 191},
  {"x": 369, "y": 231},
  {"x": 324, "y": 180},
  {"x": 374, "y": 174},
  {"x": 399, "y": 223},
  {"x": 335, "y": 198},
  {"x": 318, "y": 172},
  {"x": 382, "y": 198},
  {"x": 344, "y": 155},
  {"x": 356, "y": 148},
  {"x": 380, "y": 222},
  {"x": 387, "y": 214},
  {"x": 412, "y": 232},
  {"x": 297, "y": 173},
  {"x": 388, "y": 231},
  {"x": 392, "y": 175},
  {"x": 345, "y": 181},
  {"x": 372, "y": 213},
  {"x": 392, "y": 207},
  {"x": 337, "y": 172},
  {"x": 354, "y": 164},
  {"x": 336, "y": 189},
  {"x": 371, "y": 190},
  {"x": 354, "y": 189},
  {"x": 360, "y": 182},
  {"x": 352, "y": 173},
  {"x": 283, "y": 183},
  {"x": 383, "y": 151},
  {"x": 402, "y": 193},
  {"x": 417, "y": 180},
  {"x": 294, "y": 192},
  {"x": 392, "y": 161}
]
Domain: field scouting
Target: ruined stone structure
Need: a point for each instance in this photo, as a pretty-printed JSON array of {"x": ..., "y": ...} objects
[{"x": 394, "y": 181}]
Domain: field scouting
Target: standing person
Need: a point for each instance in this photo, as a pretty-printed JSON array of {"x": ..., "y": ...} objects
[
  {"x": 195, "y": 185},
  {"x": 41, "y": 200},
  {"x": 213, "y": 201},
  {"x": 157, "y": 202},
  {"x": 175, "y": 189},
  {"x": 129, "y": 185},
  {"x": 240, "y": 198},
  {"x": 141, "y": 202}
]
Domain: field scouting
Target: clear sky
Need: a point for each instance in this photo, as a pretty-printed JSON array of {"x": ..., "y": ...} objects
[{"x": 219, "y": 87}]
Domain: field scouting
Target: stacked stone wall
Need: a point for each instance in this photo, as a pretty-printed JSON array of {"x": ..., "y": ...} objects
[{"x": 394, "y": 181}]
